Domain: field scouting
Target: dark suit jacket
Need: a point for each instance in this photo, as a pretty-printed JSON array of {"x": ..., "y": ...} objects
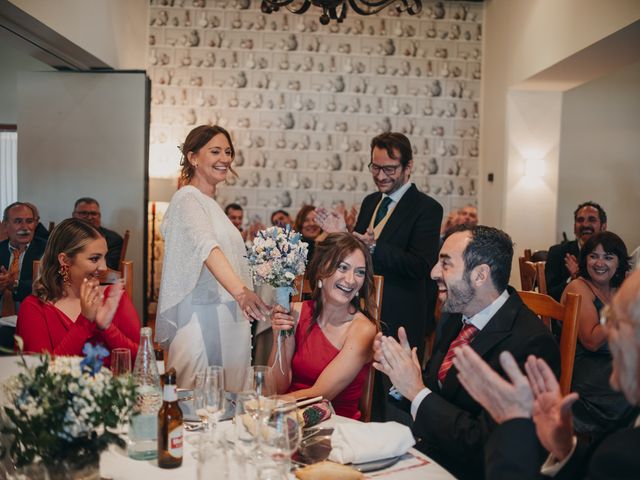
[
  {"x": 508, "y": 455},
  {"x": 405, "y": 253},
  {"x": 555, "y": 271},
  {"x": 114, "y": 247},
  {"x": 452, "y": 426},
  {"x": 25, "y": 282}
]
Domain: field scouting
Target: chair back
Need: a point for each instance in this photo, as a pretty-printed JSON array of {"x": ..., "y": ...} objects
[
  {"x": 125, "y": 244},
  {"x": 532, "y": 276},
  {"x": 126, "y": 269},
  {"x": 567, "y": 313},
  {"x": 366, "y": 398}
]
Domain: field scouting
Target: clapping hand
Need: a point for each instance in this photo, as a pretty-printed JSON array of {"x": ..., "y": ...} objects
[
  {"x": 571, "y": 262},
  {"x": 551, "y": 411},
  {"x": 503, "y": 400},
  {"x": 399, "y": 362},
  {"x": 5, "y": 279},
  {"x": 329, "y": 220},
  {"x": 92, "y": 305}
]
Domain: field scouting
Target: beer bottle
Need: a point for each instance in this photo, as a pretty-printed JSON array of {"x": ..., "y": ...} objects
[{"x": 170, "y": 432}]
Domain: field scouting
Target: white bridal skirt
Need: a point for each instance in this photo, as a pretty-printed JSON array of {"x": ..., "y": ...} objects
[{"x": 213, "y": 334}]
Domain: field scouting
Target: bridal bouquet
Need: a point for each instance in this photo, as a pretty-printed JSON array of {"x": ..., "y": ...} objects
[
  {"x": 276, "y": 258},
  {"x": 59, "y": 410}
]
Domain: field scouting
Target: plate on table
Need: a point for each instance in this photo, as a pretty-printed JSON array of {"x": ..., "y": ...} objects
[{"x": 376, "y": 464}]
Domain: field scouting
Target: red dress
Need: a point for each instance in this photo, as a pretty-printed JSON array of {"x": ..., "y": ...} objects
[
  {"x": 312, "y": 355},
  {"x": 44, "y": 328}
]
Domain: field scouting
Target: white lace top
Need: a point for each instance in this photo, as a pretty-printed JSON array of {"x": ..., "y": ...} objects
[{"x": 193, "y": 225}]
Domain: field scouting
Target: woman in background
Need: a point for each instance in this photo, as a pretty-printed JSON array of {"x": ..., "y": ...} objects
[
  {"x": 205, "y": 295},
  {"x": 68, "y": 306},
  {"x": 306, "y": 224},
  {"x": 603, "y": 265},
  {"x": 331, "y": 349}
]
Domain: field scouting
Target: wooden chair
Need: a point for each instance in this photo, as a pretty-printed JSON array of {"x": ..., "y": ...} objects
[
  {"x": 366, "y": 399},
  {"x": 546, "y": 307},
  {"x": 532, "y": 276},
  {"x": 125, "y": 244}
]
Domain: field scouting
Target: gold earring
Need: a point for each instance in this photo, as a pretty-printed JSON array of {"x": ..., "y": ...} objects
[{"x": 63, "y": 271}]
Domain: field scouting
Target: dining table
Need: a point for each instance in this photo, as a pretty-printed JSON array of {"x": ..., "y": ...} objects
[{"x": 115, "y": 464}]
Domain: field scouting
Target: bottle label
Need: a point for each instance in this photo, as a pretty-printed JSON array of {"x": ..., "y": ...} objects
[
  {"x": 160, "y": 365},
  {"x": 170, "y": 393},
  {"x": 175, "y": 442}
]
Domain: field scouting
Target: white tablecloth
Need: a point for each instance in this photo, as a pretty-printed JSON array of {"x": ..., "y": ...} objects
[{"x": 116, "y": 465}]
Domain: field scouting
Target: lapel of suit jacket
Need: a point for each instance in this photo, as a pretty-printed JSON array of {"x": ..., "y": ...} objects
[
  {"x": 498, "y": 328},
  {"x": 366, "y": 212},
  {"x": 4, "y": 254},
  {"x": 450, "y": 330},
  {"x": 400, "y": 212}
]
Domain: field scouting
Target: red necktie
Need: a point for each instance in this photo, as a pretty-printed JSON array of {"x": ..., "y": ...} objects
[
  {"x": 464, "y": 338},
  {"x": 8, "y": 305}
]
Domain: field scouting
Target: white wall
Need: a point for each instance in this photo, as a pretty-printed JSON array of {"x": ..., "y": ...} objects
[
  {"x": 13, "y": 61},
  {"x": 115, "y": 31},
  {"x": 522, "y": 38},
  {"x": 600, "y": 152},
  {"x": 84, "y": 135}
]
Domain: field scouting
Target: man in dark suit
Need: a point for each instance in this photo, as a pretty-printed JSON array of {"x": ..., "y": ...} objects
[
  {"x": 17, "y": 254},
  {"x": 480, "y": 310},
  {"x": 88, "y": 209},
  {"x": 562, "y": 261},
  {"x": 533, "y": 405}
]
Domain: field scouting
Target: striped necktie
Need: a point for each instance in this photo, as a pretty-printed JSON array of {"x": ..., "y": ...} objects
[
  {"x": 382, "y": 210},
  {"x": 465, "y": 336}
]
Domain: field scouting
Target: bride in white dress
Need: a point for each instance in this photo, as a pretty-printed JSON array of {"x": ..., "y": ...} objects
[{"x": 205, "y": 298}]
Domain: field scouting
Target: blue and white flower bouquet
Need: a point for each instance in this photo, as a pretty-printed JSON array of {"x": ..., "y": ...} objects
[
  {"x": 59, "y": 410},
  {"x": 276, "y": 257}
]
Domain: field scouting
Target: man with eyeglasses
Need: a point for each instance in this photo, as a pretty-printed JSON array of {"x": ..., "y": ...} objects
[
  {"x": 88, "y": 209},
  {"x": 401, "y": 227},
  {"x": 17, "y": 254}
]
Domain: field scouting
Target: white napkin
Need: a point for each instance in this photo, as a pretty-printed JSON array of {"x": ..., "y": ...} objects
[
  {"x": 9, "y": 321},
  {"x": 365, "y": 442}
]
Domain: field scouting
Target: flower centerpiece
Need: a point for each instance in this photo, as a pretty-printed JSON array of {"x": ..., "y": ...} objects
[
  {"x": 59, "y": 412},
  {"x": 276, "y": 257}
]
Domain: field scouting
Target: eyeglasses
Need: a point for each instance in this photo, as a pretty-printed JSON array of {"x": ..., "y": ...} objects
[
  {"x": 387, "y": 169},
  {"x": 84, "y": 213}
]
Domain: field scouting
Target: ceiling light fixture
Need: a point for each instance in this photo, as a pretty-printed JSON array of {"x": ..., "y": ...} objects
[{"x": 337, "y": 9}]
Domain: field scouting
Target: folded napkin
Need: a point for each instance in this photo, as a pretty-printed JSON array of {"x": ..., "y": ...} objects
[
  {"x": 9, "y": 321},
  {"x": 314, "y": 414},
  {"x": 365, "y": 442}
]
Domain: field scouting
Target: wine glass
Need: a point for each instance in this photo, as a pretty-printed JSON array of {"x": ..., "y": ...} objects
[
  {"x": 260, "y": 379},
  {"x": 120, "y": 361},
  {"x": 214, "y": 386},
  {"x": 281, "y": 434},
  {"x": 247, "y": 420}
]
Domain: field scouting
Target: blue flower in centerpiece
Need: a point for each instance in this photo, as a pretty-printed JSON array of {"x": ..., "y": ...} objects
[{"x": 93, "y": 358}]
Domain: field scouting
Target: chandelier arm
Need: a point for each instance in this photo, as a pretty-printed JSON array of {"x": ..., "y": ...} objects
[
  {"x": 305, "y": 6},
  {"x": 374, "y": 7}
]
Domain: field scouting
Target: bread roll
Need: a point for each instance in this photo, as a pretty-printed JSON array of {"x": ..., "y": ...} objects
[{"x": 328, "y": 471}]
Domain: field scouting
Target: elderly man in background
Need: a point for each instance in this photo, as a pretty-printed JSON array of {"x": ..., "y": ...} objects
[
  {"x": 480, "y": 310},
  {"x": 562, "y": 262},
  {"x": 17, "y": 254},
  {"x": 532, "y": 406},
  {"x": 88, "y": 209}
]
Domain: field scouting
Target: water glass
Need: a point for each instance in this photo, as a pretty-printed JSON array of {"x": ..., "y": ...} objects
[
  {"x": 247, "y": 420},
  {"x": 120, "y": 361},
  {"x": 282, "y": 433},
  {"x": 260, "y": 379},
  {"x": 214, "y": 385}
]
